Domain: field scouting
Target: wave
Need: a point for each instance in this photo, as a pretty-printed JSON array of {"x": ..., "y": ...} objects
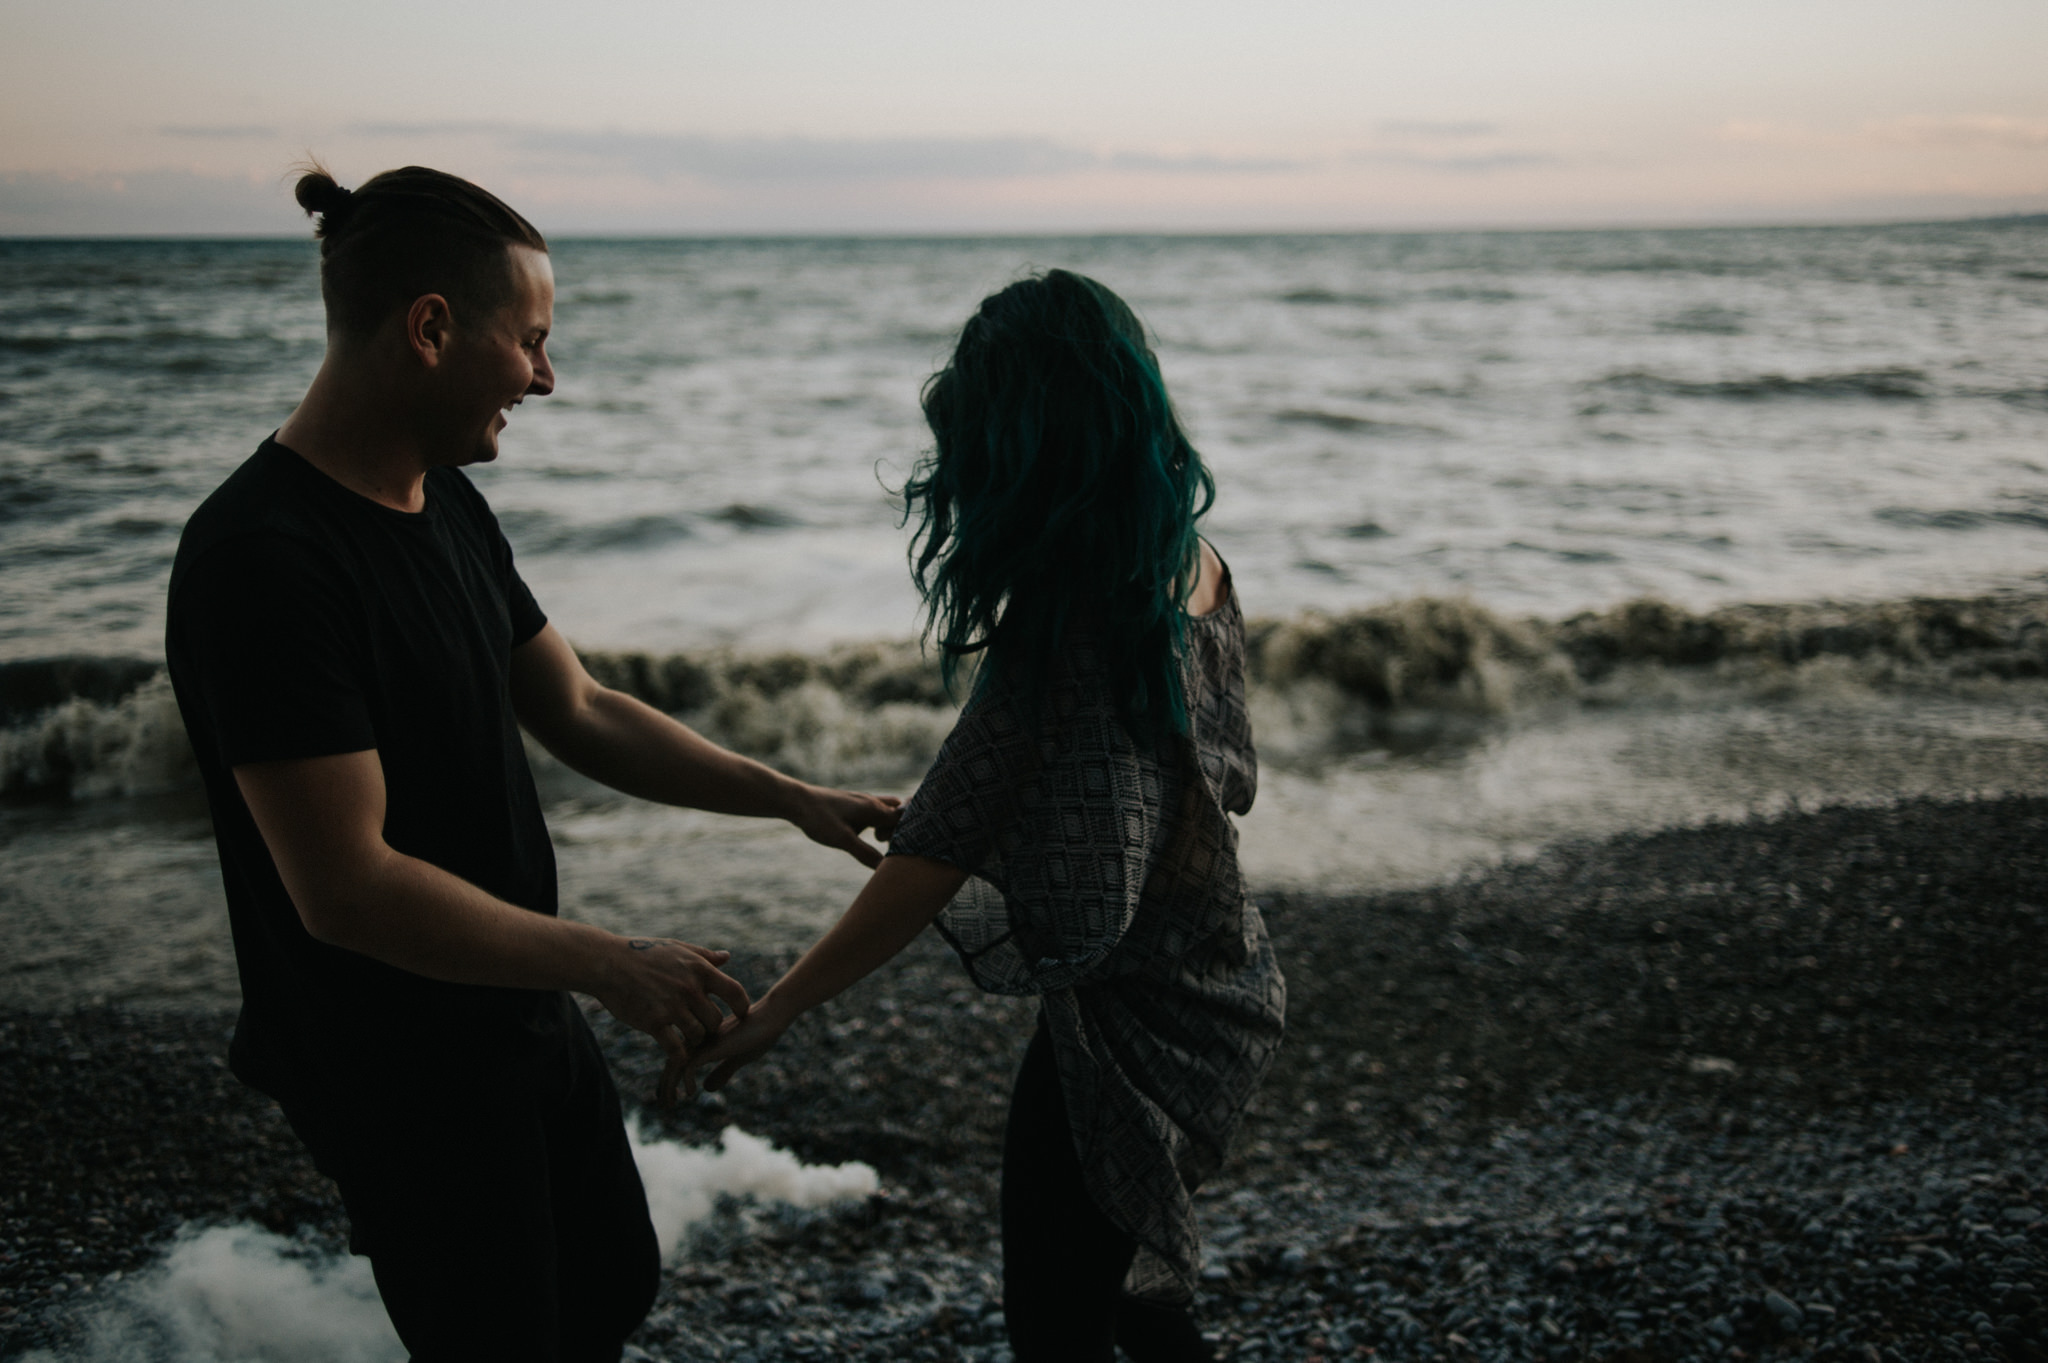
[
  {"x": 752, "y": 516},
  {"x": 543, "y": 532},
  {"x": 1330, "y": 298},
  {"x": 534, "y": 531},
  {"x": 1960, "y": 518},
  {"x": 1892, "y": 384},
  {"x": 83, "y": 748},
  {"x": 1470, "y": 293},
  {"x": 1398, "y": 676},
  {"x": 32, "y": 687},
  {"x": 1348, "y": 424},
  {"x": 161, "y": 351},
  {"x": 1708, "y": 320}
]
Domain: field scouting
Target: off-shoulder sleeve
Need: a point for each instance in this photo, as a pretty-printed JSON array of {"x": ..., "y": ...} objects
[
  {"x": 1048, "y": 823},
  {"x": 1076, "y": 841}
]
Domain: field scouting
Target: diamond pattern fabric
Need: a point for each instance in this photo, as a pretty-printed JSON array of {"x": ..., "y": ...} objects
[{"x": 1104, "y": 878}]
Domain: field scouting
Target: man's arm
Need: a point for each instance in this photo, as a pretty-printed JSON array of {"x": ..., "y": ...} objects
[
  {"x": 323, "y": 820},
  {"x": 631, "y": 746}
]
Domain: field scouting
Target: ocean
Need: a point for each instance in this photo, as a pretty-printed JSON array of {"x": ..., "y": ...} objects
[{"x": 1548, "y": 535}]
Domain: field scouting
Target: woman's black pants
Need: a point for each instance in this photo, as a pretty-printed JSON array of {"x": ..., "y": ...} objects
[{"x": 1063, "y": 1260}]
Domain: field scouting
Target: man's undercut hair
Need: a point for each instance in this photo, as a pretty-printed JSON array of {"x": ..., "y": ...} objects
[{"x": 406, "y": 233}]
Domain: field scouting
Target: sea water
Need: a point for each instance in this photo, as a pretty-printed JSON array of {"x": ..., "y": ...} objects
[{"x": 1465, "y": 432}]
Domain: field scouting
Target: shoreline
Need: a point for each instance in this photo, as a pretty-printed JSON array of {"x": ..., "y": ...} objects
[{"x": 1750, "y": 1089}]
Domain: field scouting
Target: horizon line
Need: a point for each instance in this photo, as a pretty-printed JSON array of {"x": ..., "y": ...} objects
[{"x": 1189, "y": 233}]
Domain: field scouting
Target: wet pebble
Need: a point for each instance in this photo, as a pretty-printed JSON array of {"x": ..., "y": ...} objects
[{"x": 1457, "y": 1157}]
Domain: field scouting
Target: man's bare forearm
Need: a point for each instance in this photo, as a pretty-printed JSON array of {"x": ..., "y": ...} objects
[
  {"x": 323, "y": 820},
  {"x": 633, "y": 747},
  {"x": 412, "y": 914}
]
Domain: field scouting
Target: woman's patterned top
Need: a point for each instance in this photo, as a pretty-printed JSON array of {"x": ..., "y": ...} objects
[{"x": 1104, "y": 877}]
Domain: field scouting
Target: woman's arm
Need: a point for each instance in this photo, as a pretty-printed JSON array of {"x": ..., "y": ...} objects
[{"x": 903, "y": 895}]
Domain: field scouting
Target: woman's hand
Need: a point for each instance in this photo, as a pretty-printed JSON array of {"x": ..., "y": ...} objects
[{"x": 743, "y": 1040}]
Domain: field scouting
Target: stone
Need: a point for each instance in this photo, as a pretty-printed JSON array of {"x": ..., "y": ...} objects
[{"x": 1783, "y": 1309}]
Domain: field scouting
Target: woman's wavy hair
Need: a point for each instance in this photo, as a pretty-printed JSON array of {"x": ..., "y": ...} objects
[{"x": 1062, "y": 494}]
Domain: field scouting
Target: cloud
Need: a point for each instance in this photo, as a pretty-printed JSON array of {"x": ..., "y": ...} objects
[
  {"x": 1968, "y": 130},
  {"x": 1763, "y": 133},
  {"x": 150, "y": 202},
  {"x": 763, "y": 160},
  {"x": 1438, "y": 129},
  {"x": 662, "y": 156},
  {"x": 760, "y": 161},
  {"x": 1462, "y": 163},
  {"x": 1203, "y": 163},
  {"x": 1984, "y": 130},
  {"x": 219, "y": 132},
  {"x": 753, "y": 160},
  {"x": 1447, "y": 145}
]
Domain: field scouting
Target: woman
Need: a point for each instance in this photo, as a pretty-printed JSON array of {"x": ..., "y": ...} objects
[{"x": 1073, "y": 839}]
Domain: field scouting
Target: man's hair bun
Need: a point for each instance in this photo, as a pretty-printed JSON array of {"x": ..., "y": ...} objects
[
  {"x": 317, "y": 192},
  {"x": 405, "y": 233}
]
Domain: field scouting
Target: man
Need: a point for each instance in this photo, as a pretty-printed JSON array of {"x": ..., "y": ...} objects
[{"x": 354, "y": 656}]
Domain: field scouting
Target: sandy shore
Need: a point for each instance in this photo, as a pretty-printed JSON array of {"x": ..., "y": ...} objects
[{"x": 1777, "y": 1088}]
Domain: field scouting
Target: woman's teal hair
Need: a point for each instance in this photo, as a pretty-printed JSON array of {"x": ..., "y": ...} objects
[{"x": 1061, "y": 493}]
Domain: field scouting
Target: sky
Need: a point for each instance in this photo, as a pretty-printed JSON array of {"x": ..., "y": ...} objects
[{"x": 977, "y": 116}]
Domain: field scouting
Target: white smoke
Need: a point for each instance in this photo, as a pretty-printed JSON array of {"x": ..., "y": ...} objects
[
  {"x": 239, "y": 1294},
  {"x": 684, "y": 1182},
  {"x": 242, "y": 1294}
]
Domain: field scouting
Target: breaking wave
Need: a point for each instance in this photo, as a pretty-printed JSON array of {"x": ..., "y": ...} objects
[
  {"x": 118, "y": 734},
  {"x": 1399, "y": 675}
]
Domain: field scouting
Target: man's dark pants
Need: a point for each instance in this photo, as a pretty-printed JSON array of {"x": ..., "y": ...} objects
[{"x": 502, "y": 1221}]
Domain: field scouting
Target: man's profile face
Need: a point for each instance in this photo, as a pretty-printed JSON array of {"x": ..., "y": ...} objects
[{"x": 496, "y": 361}]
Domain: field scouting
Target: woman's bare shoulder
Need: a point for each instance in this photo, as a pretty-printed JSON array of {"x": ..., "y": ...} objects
[{"x": 1212, "y": 587}]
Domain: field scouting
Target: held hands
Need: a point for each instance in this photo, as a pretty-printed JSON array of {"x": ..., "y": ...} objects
[
  {"x": 669, "y": 990},
  {"x": 897, "y": 903},
  {"x": 745, "y": 1038},
  {"x": 836, "y": 818}
]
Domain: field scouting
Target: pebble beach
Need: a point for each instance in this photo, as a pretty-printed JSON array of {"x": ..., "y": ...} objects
[{"x": 1774, "y": 1088}]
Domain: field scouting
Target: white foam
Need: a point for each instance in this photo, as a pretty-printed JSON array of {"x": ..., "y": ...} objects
[{"x": 242, "y": 1294}]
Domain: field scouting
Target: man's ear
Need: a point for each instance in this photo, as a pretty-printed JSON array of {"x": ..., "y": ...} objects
[{"x": 428, "y": 326}]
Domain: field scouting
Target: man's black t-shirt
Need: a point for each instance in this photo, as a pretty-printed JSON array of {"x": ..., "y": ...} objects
[{"x": 306, "y": 621}]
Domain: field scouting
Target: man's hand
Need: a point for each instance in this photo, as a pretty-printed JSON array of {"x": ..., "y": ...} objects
[
  {"x": 744, "y": 1040},
  {"x": 836, "y": 818},
  {"x": 668, "y": 989}
]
